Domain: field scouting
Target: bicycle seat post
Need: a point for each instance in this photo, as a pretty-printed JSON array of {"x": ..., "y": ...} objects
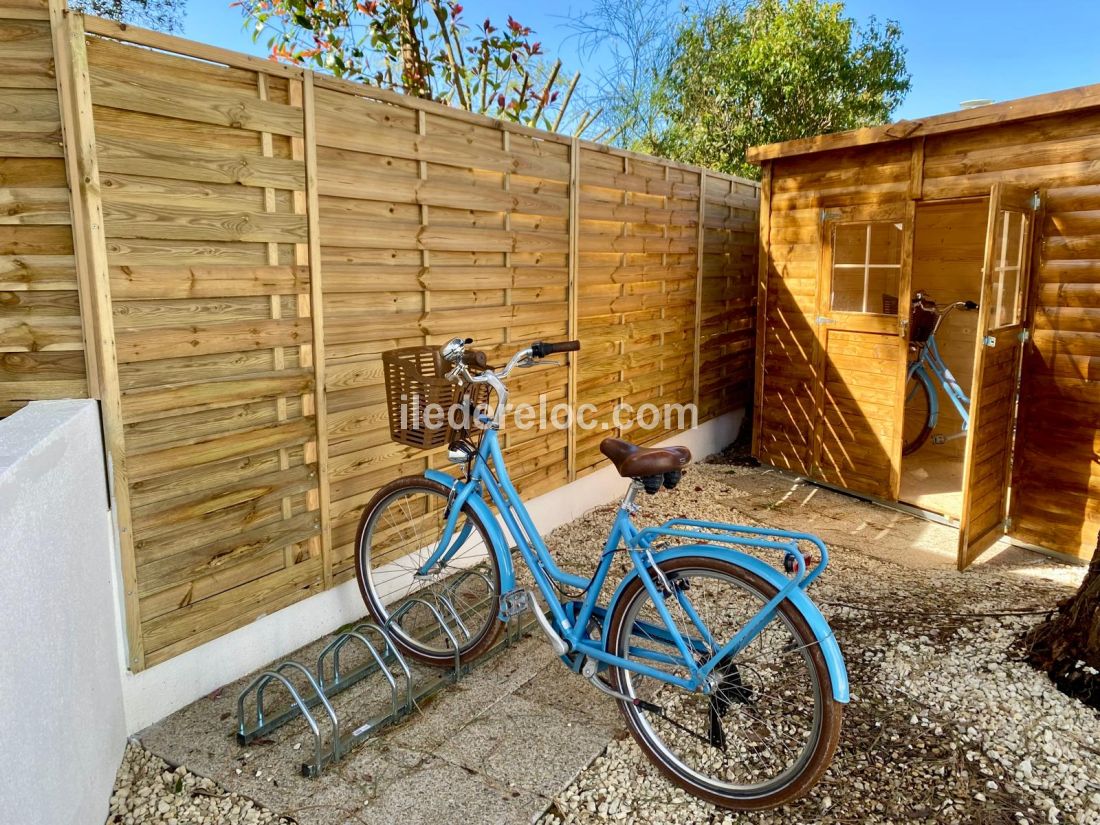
[{"x": 632, "y": 491}]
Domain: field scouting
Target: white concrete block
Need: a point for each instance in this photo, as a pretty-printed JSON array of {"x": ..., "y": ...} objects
[{"x": 62, "y": 722}]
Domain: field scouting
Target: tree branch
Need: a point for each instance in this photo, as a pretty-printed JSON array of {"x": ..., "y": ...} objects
[
  {"x": 459, "y": 75},
  {"x": 546, "y": 92},
  {"x": 565, "y": 102}
]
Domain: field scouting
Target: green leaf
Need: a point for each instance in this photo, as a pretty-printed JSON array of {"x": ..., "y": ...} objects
[{"x": 773, "y": 70}]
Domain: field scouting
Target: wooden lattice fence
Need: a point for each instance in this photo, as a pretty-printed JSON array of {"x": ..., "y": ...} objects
[{"x": 244, "y": 239}]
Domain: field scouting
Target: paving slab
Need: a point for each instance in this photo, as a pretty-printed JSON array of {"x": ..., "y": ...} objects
[
  {"x": 552, "y": 687},
  {"x": 848, "y": 523},
  {"x": 526, "y": 745},
  {"x": 497, "y": 745}
]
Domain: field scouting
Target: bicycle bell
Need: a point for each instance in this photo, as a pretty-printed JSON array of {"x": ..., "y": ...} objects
[{"x": 452, "y": 350}]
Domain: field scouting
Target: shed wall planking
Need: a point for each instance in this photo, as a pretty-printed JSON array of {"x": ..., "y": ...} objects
[{"x": 802, "y": 188}]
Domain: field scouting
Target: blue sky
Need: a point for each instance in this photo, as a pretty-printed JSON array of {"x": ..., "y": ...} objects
[{"x": 957, "y": 50}]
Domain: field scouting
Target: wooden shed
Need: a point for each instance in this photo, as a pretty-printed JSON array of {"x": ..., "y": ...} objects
[{"x": 999, "y": 205}]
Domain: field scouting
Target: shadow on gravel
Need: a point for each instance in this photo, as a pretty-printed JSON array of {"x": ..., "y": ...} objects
[{"x": 899, "y": 761}]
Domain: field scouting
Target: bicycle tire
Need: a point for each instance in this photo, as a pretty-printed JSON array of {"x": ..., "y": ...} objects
[
  {"x": 910, "y": 446},
  {"x": 826, "y": 733},
  {"x": 376, "y": 603}
]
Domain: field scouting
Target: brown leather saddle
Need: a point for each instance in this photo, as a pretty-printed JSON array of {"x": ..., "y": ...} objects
[{"x": 633, "y": 461}]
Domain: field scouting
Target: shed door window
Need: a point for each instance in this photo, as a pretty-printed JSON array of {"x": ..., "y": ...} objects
[
  {"x": 866, "y": 267},
  {"x": 1008, "y": 256}
]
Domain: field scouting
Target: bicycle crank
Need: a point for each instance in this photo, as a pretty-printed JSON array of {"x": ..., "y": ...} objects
[{"x": 589, "y": 671}]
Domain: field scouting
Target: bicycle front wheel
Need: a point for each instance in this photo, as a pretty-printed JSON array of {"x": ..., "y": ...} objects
[
  {"x": 453, "y": 606},
  {"x": 769, "y": 728}
]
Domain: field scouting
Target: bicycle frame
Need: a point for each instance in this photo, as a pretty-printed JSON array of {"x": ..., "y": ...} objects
[
  {"x": 930, "y": 360},
  {"x": 697, "y": 652}
]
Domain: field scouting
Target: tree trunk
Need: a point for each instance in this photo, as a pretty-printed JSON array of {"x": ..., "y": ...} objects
[
  {"x": 1070, "y": 636},
  {"x": 414, "y": 74}
]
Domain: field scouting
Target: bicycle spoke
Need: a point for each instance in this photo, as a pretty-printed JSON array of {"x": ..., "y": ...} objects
[
  {"x": 400, "y": 535},
  {"x": 757, "y": 726}
]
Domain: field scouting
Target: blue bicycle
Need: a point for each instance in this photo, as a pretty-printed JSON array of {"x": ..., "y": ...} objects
[
  {"x": 729, "y": 677},
  {"x": 922, "y": 403}
]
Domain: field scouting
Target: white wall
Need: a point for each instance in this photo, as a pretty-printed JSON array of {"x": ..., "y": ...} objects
[
  {"x": 160, "y": 690},
  {"x": 62, "y": 723}
]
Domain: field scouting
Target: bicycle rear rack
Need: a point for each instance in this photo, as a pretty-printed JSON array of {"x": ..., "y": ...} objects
[{"x": 309, "y": 689}]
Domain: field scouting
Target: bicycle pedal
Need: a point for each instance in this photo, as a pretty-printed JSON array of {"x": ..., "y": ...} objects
[
  {"x": 514, "y": 603},
  {"x": 939, "y": 439}
]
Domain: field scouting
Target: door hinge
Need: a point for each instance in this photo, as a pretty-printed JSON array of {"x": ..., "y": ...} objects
[
  {"x": 990, "y": 341},
  {"x": 1007, "y": 523},
  {"x": 821, "y": 320},
  {"x": 1024, "y": 335},
  {"x": 1035, "y": 201}
]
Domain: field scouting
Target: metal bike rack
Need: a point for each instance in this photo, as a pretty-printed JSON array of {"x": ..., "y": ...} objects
[
  {"x": 300, "y": 707},
  {"x": 329, "y": 679}
]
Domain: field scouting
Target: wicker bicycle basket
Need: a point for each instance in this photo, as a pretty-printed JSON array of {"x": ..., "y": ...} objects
[
  {"x": 922, "y": 320},
  {"x": 420, "y": 401}
]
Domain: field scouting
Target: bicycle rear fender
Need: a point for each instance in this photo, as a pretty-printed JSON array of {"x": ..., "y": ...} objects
[
  {"x": 834, "y": 659},
  {"x": 496, "y": 534}
]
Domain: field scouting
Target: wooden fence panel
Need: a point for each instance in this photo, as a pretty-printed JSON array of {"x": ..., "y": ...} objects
[
  {"x": 728, "y": 293},
  {"x": 41, "y": 344},
  {"x": 243, "y": 241},
  {"x": 433, "y": 227},
  {"x": 207, "y": 245},
  {"x": 638, "y": 251}
]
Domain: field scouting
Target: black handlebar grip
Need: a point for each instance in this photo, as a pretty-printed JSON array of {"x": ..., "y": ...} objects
[
  {"x": 970, "y": 305},
  {"x": 475, "y": 358},
  {"x": 541, "y": 350}
]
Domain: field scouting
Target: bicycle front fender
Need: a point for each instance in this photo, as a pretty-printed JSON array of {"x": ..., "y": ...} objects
[
  {"x": 933, "y": 398},
  {"x": 496, "y": 534},
  {"x": 819, "y": 625}
]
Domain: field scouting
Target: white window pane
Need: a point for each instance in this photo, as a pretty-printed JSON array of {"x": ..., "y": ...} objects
[
  {"x": 1009, "y": 239},
  {"x": 866, "y": 267}
]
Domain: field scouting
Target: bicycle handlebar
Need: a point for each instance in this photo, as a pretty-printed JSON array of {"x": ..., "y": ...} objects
[
  {"x": 541, "y": 350},
  {"x": 942, "y": 312},
  {"x": 455, "y": 353},
  {"x": 475, "y": 358},
  {"x": 921, "y": 297}
]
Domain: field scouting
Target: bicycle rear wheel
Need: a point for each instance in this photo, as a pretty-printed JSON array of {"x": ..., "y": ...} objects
[
  {"x": 918, "y": 414},
  {"x": 768, "y": 731},
  {"x": 399, "y": 530}
]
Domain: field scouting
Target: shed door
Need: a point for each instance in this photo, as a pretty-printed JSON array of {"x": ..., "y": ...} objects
[
  {"x": 998, "y": 349},
  {"x": 860, "y": 351}
]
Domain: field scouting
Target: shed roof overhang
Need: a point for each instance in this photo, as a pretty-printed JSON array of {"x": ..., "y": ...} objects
[{"x": 1024, "y": 108}]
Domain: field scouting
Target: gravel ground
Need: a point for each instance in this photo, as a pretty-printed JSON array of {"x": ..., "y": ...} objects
[
  {"x": 148, "y": 789},
  {"x": 946, "y": 725}
]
